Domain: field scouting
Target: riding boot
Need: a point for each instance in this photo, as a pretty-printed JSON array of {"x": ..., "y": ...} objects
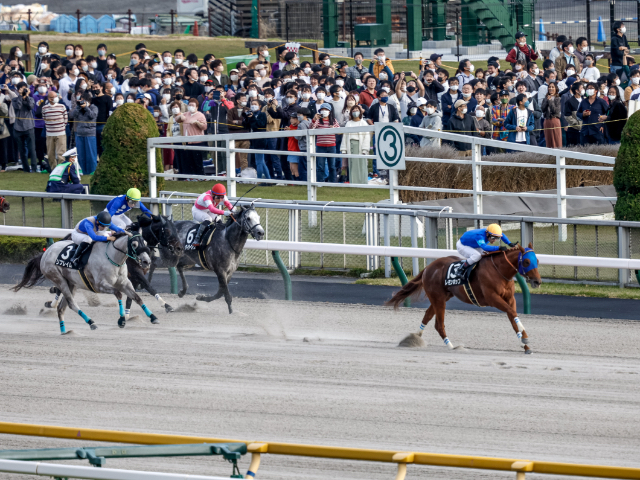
[
  {"x": 201, "y": 229},
  {"x": 466, "y": 270},
  {"x": 79, "y": 251}
]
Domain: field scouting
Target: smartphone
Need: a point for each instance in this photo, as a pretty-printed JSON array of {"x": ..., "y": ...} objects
[{"x": 216, "y": 95}]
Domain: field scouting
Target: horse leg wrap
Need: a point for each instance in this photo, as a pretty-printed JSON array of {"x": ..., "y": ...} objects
[
  {"x": 146, "y": 310},
  {"x": 121, "y": 308},
  {"x": 519, "y": 324},
  {"x": 126, "y": 313},
  {"x": 160, "y": 299},
  {"x": 54, "y": 304},
  {"x": 62, "y": 329},
  {"x": 448, "y": 343},
  {"x": 84, "y": 316}
]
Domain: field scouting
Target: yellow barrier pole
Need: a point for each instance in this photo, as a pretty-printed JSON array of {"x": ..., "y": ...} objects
[
  {"x": 402, "y": 459},
  {"x": 521, "y": 468},
  {"x": 255, "y": 449}
]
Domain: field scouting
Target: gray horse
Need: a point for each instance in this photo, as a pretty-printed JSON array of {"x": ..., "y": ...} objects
[
  {"x": 222, "y": 253},
  {"x": 106, "y": 272}
]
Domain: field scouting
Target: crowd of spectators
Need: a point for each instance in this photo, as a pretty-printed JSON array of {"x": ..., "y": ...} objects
[{"x": 67, "y": 100}]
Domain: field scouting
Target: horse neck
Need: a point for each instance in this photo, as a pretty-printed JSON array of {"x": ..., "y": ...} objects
[
  {"x": 152, "y": 238},
  {"x": 507, "y": 262},
  {"x": 115, "y": 254},
  {"x": 235, "y": 236}
]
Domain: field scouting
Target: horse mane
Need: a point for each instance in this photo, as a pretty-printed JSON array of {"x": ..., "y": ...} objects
[{"x": 120, "y": 234}]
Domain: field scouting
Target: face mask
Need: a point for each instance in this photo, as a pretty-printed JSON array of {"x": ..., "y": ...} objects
[
  {"x": 94, "y": 64},
  {"x": 167, "y": 81},
  {"x": 386, "y": 89},
  {"x": 411, "y": 89},
  {"x": 69, "y": 52},
  {"x": 78, "y": 53},
  {"x": 536, "y": 71},
  {"x": 357, "y": 97},
  {"x": 291, "y": 100},
  {"x": 157, "y": 68},
  {"x": 243, "y": 104},
  {"x": 623, "y": 30},
  {"x": 504, "y": 101},
  {"x": 340, "y": 82},
  {"x": 306, "y": 96},
  {"x": 471, "y": 68},
  {"x": 112, "y": 90},
  {"x": 192, "y": 108},
  {"x": 570, "y": 72},
  {"x": 19, "y": 54},
  {"x": 83, "y": 86},
  {"x": 590, "y": 92},
  {"x": 178, "y": 61},
  {"x": 479, "y": 114},
  {"x": 327, "y": 62},
  {"x": 55, "y": 100},
  {"x": 166, "y": 96},
  {"x": 85, "y": 68},
  {"x": 527, "y": 103},
  {"x": 255, "y": 108},
  {"x": 466, "y": 95},
  {"x": 129, "y": 100},
  {"x": 320, "y": 96},
  {"x": 133, "y": 62},
  {"x": 453, "y": 87},
  {"x": 552, "y": 69},
  {"x": 119, "y": 101},
  {"x": 102, "y": 52},
  {"x": 518, "y": 67},
  {"x": 522, "y": 44},
  {"x": 617, "y": 82},
  {"x": 15, "y": 80},
  {"x": 156, "y": 114},
  {"x": 300, "y": 118},
  {"x": 413, "y": 111},
  {"x": 325, "y": 113},
  {"x": 179, "y": 84},
  {"x": 203, "y": 78},
  {"x": 355, "y": 113},
  {"x": 588, "y": 63},
  {"x": 42, "y": 50},
  {"x": 234, "y": 78},
  {"x": 307, "y": 71},
  {"x": 384, "y": 99},
  {"x": 268, "y": 99},
  {"x": 612, "y": 97},
  {"x": 294, "y": 78},
  {"x": 265, "y": 53},
  {"x": 253, "y": 93},
  {"x": 464, "y": 110},
  {"x": 383, "y": 76},
  {"x": 570, "y": 50},
  {"x": 42, "y": 90},
  {"x": 75, "y": 71},
  {"x": 358, "y": 61},
  {"x": 431, "y": 111},
  {"x": 635, "y": 80},
  {"x": 111, "y": 62},
  {"x": 208, "y": 89}
]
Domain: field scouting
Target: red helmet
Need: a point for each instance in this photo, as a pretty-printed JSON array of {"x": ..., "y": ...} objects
[{"x": 218, "y": 189}]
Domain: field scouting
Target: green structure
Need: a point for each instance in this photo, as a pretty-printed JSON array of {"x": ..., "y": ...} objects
[{"x": 481, "y": 21}]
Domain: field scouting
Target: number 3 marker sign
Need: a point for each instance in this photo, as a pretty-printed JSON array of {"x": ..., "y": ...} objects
[{"x": 390, "y": 146}]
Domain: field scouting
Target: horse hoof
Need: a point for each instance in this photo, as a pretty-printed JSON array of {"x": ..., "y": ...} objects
[
  {"x": 154, "y": 319},
  {"x": 53, "y": 290},
  {"x": 181, "y": 293},
  {"x": 94, "y": 326},
  {"x": 230, "y": 310},
  {"x": 121, "y": 322},
  {"x": 168, "y": 308},
  {"x": 528, "y": 351},
  {"x": 202, "y": 298},
  {"x": 48, "y": 304},
  {"x": 67, "y": 332}
]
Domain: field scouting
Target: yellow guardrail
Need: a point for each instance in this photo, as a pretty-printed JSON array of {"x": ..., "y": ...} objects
[{"x": 402, "y": 459}]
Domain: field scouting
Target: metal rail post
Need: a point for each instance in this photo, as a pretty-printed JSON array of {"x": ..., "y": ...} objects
[
  {"x": 294, "y": 236},
  {"x": 561, "y": 192},
  {"x": 476, "y": 172},
  {"x": 624, "y": 251},
  {"x": 285, "y": 275},
  {"x": 401, "y": 275},
  {"x": 526, "y": 294},
  {"x": 153, "y": 184},
  {"x": 387, "y": 243},
  {"x": 231, "y": 167},
  {"x": 526, "y": 233},
  {"x": 431, "y": 233},
  {"x": 312, "y": 190},
  {"x": 415, "y": 263}
]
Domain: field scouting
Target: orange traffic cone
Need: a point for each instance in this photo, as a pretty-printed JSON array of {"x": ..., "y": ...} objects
[{"x": 195, "y": 30}]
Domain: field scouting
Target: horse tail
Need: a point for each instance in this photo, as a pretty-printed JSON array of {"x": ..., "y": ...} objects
[
  {"x": 411, "y": 289},
  {"x": 32, "y": 274}
]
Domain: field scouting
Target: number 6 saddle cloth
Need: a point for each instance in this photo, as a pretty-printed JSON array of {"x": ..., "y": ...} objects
[{"x": 204, "y": 242}]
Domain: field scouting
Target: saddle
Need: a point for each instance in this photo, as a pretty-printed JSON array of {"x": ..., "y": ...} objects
[
  {"x": 455, "y": 276},
  {"x": 64, "y": 260},
  {"x": 204, "y": 242}
]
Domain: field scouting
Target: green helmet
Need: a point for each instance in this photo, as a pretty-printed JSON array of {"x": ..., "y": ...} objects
[{"x": 134, "y": 194}]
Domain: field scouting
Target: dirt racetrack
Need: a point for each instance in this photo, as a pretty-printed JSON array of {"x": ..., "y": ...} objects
[{"x": 252, "y": 376}]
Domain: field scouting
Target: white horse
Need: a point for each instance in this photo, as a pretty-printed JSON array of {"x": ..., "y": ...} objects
[{"x": 105, "y": 272}]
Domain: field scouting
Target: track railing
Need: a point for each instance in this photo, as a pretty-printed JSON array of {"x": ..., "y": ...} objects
[{"x": 400, "y": 458}]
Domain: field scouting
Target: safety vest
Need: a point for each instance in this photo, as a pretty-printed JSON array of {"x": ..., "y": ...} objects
[{"x": 58, "y": 172}]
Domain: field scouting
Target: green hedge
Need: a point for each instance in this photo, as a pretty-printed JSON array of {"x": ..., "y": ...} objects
[
  {"x": 20, "y": 249},
  {"x": 626, "y": 173}
]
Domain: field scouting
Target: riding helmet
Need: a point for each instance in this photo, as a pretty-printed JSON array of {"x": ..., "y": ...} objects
[
  {"x": 134, "y": 195},
  {"x": 218, "y": 189},
  {"x": 104, "y": 218},
  {"x": 494, "y": 230}
]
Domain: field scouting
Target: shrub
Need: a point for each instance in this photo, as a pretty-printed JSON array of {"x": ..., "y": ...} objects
[
  {"x": 20, "y": 249},
  {"x": 496, "y": 178},
  {"x": 626, "y": 173},
  {"x": 123, "y": 163}
]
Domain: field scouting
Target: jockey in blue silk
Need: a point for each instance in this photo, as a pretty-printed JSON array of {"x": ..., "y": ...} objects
[
  {"x": 122, "y": 204},
  {"x": 474, "y": 242},
  {"x": 92, "y": 229}
]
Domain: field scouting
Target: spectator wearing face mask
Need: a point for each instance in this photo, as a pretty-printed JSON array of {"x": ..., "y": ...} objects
[
  {"x": 464, "y": 74},
  {"x": 91, "y": 63},
  {"x": 175, "y": 129},
  {"x": 84, "y": 113},
  {"x": 557, "y": 50},
  {"x": 380, "y": 66},
  {"x": 234, "y": 120},
  {"x": 521, "y": 51},
  {"x": 520, "y": 121},
  {"x": 406, "y": 91},
  {"x": 104, "y": 104},
  {"x": 619, "y": 47},
  {"x": 23, "y": 128},
  {"x": 281, "y": 63},
  {"x": 41, "y": 87},
  {"x": 462, "y": 123},
  {"x": 356, "y": 144},
  {"x": 499, "y": 115},
  {"x": 358, "y": 70},
  {"x": 569, "y": 113},
  {"x": 483, "y": 127},
  {"x": 552, "y": 110},
  {"x": 43, "y": 52},
  {"x": 263, "y": 59},
  {"x": 55, "y": 117},
  {"x": 447, "y": 101},
  {"x": 431, "y": 121},
  {"x": 592, "y": 111},
  {"x": 15, "y": 54},
  {"x": 566, "y": 59},
  {"x": 582, "y": 48},
  {"x": 432, "y": 87},
  {"x": 616, "y": 117},
  {"x": 634, "y": 84},
  {"x": 325, "y": 144},
  {"x": 256, "y": 121},
  {"x": 303, "y": 115},
  {"x": 613, "y": 81},
  {"x": 218, "y": 76},
  {"x": 193, "y": 123}
]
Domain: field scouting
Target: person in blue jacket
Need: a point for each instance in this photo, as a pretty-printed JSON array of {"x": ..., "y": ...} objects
[
  {"x": 92, "y": 229},
  {"x": 122, "y": 204},
  {"x": 474, "y": 242},
  {"x": 520, "y": 121},
  {"x": 448, "y": 99}
]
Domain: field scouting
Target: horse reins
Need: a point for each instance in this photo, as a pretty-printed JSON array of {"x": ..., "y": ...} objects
[
  {"x": 125, "y": 253},
  {"x": 508, "y": 261}
]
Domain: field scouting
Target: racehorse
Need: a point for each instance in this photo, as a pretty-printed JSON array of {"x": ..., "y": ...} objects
[
  {"x": 491, "y": 282},
  {"x": 4, "y": 205},
  {"x": 156, "y": 231},
  {"x": 222, "y": 253},
  {"x": 105, "y": 271}
]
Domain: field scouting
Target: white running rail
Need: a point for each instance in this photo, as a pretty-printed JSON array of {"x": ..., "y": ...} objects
[{"x": 381, "y": 251}]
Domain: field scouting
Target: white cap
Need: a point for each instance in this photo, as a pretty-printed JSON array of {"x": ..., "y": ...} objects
[
  {"x": 70, "y": 153},
  {"x": 421, "y": 101}
]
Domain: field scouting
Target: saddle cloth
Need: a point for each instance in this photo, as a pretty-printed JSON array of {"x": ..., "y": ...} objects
[
  {"x": 454, "y": 278},
  {"x": 204, "y": 242},
  {"x": 67, "y": 253}
]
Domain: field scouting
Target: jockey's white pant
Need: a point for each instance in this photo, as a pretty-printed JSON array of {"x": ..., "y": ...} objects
[
  {"x": 471, "y": 254},
  {"x": 78, "y": 237},
  {"x": 121, "y": 221},
  {"x": 203, "y": 215}
]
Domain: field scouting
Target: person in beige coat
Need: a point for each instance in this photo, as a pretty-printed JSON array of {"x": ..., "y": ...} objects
[
  {"x": 357, "y": 144},
  {"x": 566, "y": 58}
]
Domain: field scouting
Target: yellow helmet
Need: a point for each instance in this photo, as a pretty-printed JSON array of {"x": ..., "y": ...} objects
[
  {"x": 494, "y": 230},
  {"x": 134, "y": 194}
]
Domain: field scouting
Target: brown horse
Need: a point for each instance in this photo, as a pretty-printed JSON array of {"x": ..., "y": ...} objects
[
  {"x": 491, "y": 282},
  {"x": 4, "y": 205}
]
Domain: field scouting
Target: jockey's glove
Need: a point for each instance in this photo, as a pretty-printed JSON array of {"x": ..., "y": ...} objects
[
  {"x": 227, "y": 213},
  {"x": 503, "y": 249},
  {"x": 513, "y": 244}
]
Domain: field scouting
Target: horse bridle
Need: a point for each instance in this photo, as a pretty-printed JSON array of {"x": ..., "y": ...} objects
[
  {"x": 242, "y": 223},
  {"x": 163, "y": 239},
  {"x": 519, "y": 269},
  {"x": 131, "y": 252}
]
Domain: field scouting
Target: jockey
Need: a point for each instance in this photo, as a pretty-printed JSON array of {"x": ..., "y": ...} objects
[
  {"x": 206, "y": 209},
  {"x": 122, "y": 204},
  {"x": 92, "y": 229},
  {"x": 474, "y": 242}
]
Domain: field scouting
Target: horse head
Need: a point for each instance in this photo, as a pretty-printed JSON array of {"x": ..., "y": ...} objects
[
  {"x": 162, "y": 231},
  {"x": 249, "y": 221},
  {"x": 528, "y": 265},
  {"x": 4, "y": 205},
  {"x": 137, "y": 250}
]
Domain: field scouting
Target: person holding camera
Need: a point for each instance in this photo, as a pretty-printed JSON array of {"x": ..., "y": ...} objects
[
  {"x": 24, "y": 127},
  {"x": 84, "y": 113}
]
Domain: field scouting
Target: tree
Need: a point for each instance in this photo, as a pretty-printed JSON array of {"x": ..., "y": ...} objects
[
  {"x": 626, "y": 172},
  {"x": 123, "y": 163}
]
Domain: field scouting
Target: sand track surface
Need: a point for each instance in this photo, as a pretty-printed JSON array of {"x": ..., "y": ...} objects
[{"x": 325, "y": 374}]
